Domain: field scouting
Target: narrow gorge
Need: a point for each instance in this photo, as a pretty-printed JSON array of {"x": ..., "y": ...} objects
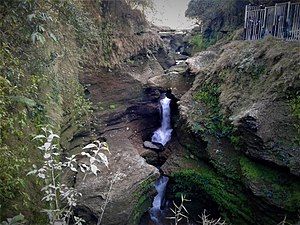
[{"x": 198, "y": 120}]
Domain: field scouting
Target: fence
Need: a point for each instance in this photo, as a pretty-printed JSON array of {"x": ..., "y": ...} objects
[{"x": 281, "y": 21}]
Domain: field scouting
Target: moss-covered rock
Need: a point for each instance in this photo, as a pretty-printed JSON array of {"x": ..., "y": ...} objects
[
  {"x": 249, "y": 89},
  {"x": 272, "y": 185},
  {"x": 145, "y": 195},
  {"x": 243, "y": 106},
  {"x": 232, "y": 202}
]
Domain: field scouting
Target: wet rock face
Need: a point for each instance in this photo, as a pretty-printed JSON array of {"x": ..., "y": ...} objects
[
  {"x": 269, "y": 141},
  {"x": 121, "y": 185},
  {"x": 164, "y": 58},
  {"x": 253, "y": 93},
  {"x": 240, "y": 108},
  {"x": 124, "y": 111}
]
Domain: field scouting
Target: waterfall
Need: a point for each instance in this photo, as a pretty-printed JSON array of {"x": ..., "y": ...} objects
[
  {"x": 163, "y": 134},
  {"x": 156, "y": 214}
]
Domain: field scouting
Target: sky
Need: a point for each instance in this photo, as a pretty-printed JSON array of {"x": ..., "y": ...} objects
[{"x": 170, "y": 13}]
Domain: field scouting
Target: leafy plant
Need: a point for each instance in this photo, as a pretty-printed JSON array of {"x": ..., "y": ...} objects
[
  {"x": 199, "y": 43},
  {"x": 16, "y": 220},
  {"x": 216, "y": 123},
  {"x": 62, "y": 199}
]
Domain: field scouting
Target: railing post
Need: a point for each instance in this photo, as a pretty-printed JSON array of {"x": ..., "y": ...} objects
[
  {"x": 288, "y": 21},
  {"x": 264, "y": 23},
  {"x": 245, "y": 22},
  {"x": 274, "y": 21}
]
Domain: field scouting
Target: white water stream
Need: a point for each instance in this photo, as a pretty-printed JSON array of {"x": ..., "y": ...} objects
[
  {"x": 156, "y": 212},
  {"x": 163, "y": 134}
]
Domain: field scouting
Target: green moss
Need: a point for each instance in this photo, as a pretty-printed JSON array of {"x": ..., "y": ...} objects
[
  {"x": 235, "y": 140},
  {"x": 227, "y": 164},
  {"x": 295, "y": 104},
  {"x": 144, "y": 200},
  {"x": 214, "y": 122},
  {"x": 200, "y": 43},
  {"x": 257, "y": 71},
  {"x": 34, "y": 91},
  {"x": 274, "y": 185},
  {"x": 226, "y": 194},
  {"x": 209, "y": 95},
  {"x": 295, "y": 107}
]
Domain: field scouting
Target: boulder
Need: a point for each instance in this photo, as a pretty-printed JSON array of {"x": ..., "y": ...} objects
[
  {"x": 173, "y": 81},
  {"x": 150, "y": 145},
  {"x": 150, "y": 156},
  {"x": 200, "y": 61},
  {"x": 121, "y": 190},
  {"x": 164, "y": 58},
  {"x": 180, "y": 68}
]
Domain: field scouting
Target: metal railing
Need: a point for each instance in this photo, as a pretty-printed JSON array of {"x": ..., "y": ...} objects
[{"x": 281, "y": 21}]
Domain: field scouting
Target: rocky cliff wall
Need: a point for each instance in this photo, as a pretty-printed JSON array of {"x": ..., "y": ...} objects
[{"x": 239, "y": 131}]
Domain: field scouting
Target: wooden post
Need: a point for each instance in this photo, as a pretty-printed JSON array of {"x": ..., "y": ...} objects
[
  {"x": 245, "y": 22},
  {"x": 287, "y": 21},
  {"x": 264, "y": 23},
  {"x": 274, "y": 21}
]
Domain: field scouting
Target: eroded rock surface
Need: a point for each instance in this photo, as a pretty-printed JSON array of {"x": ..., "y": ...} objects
[
  {"x": 121, "y": 184},
  {"x": 238, "y": 117},
  {"x": 200, "y": 61}
]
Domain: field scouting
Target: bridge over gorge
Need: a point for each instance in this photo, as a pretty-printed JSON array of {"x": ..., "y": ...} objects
[{"x": 281, "y": 21}]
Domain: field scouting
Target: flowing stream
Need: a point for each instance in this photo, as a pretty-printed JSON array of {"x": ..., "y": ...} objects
[
  {"x": 163, "y": 134},
  {"x": 156, "y": 212}
]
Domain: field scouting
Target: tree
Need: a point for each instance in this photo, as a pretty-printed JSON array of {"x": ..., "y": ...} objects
[{"x": 142, "y": 4}]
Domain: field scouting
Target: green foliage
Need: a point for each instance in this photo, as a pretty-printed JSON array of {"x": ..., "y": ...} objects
[
  {"x": 90, "y": 34},
  {"x": 19, "y": 114},
  {"x": 222, "y": 191},
  {"x": 16, "y": 220},
  {"x": 216, "y": 123},
  {"x": 235, "y": 140},
  {"x": 255, "y": 70},
  {"x": 295, "y": 106},
  {"x": 32, "y": 93},
  {"x": 217, "y": 15},
  {"x": 200, "y": 43},
  {"x": 106, "y": 33},
  {"x": 209, "y": 95},
  {"x": 272, "y": 184},
  {"x": 144, "y": 200},
  {"x": 258, "y": 71},
  {"x": 11, "y": 175}
]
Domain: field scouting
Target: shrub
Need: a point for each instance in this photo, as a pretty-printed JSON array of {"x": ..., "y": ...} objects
[{"x": 60, "y": 198}]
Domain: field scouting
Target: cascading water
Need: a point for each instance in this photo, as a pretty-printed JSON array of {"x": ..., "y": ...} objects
[
  {"x": 156, "y": 212},
  {"x": 163, "y": 134}
]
